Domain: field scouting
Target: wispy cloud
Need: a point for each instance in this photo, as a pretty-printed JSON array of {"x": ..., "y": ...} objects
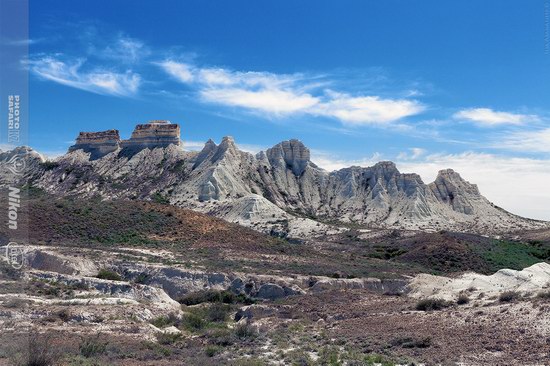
[
  {"x": 489, "y": 117},
  {"x": 180, "y": 71},
  {"x": 412, "y": 154},
  {"x": 126, "y": 50},
  {"x": 537, "y": 141},
  {"x": 361, "y": 110},
  {"x": 283, "y": 95},
  {"x": 72, "y": 73},
  {"x": 20, "y": 42}
]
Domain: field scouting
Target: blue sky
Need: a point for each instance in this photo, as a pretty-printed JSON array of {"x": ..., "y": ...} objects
[{"x": 428, "y": 84}]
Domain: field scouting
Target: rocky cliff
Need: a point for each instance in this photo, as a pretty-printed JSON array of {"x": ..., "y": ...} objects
[
  {"x": 158, "y": 133},
  {"x": 98, "y": 144},
  {"x": 152, "y": 135},
  {"x": 279, "y": 191}
]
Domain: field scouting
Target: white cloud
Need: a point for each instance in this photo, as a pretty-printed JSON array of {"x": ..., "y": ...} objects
[
  {"x": 272, "y": 101},
  {"x": 519, "y": 185},
  {"x": 281, "y": 94},
  {"x": 125, "y": 49},
  {"x": 489, "y": 117},
  {"x": 414, "y": 153},
  {"x": 526, "y": 141},
  {"x": 180, "y": 71},
  {"x": 367, "y": 110},
  {"x": 96, "y": 81}
]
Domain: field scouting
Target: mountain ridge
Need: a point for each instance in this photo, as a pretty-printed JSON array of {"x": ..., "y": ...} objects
[{"x": 280, "y": 190}]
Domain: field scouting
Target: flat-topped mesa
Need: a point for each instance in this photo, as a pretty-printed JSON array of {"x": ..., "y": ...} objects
[
  {"x": 98, "y": 144},
  {"x": 157, "y": 133}
]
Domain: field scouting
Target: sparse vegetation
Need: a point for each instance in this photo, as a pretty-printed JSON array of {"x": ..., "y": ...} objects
[
  {"x": 431, "y": 304},
  {"x": 226, "y": 297},
  {"x": 463, "y": 299},
  {"x": 509, "y": 296},
  {"x": 91, "y": 347},
  {"x": 160, "y": 198},
  {"x": 37, "y": 350},
  {"x": 244, "y": 330},
  {"x": 106, "y": 274},
  {"x": 166, "y": 321},
  {"x": 167, "y": 338}
]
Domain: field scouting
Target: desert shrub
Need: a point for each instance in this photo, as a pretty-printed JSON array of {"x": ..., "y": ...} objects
[
  {"x": 378, "y": 360},
  {"x": 164, "y": 321},
  {"x": 160, "y": 198},
  {"x": 509, "y": 296},
  {"x": 299, "y": 358},
  {"x": 64, "y": 315},
  {"x": 167, "y": 338},
  {"x": 38, "y": 351},
  {"x": 431, "y": 304},
  {"x": 156, "y": 348},
  {"x": 142, "y": 278},
  {"x": 92, "y": 347},
  {"x": 106, "y": 274},
  {"x": 193, "y": 322},
  {"x": 217, "y": 312},
  {"x": 226, "y": 297},
  {"x": 329, "y": 356},
  {"x": 220, "y": 337},
  {"x": 244, "y": 331},
  {"x": 408, "y": 342},
  {"x": 462, "y": 299},
  {"x": 211, "y": 350}
]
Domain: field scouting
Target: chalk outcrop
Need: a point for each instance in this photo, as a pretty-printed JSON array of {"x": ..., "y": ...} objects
[
  {"x": 291, "y": 155},
  {"x": 528, "y": 281}
]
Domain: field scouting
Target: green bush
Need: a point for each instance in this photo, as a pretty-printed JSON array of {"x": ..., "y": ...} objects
[
  {"x": 193, "y": 322},
  {"x": 226, "y": 297},
  {"x": 106, "y": 274}
]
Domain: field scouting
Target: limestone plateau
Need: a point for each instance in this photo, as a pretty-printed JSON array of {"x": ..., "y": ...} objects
[{"x": 279, "y": 191}]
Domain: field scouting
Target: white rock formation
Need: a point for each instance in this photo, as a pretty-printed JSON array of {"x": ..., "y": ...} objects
[
  {"x": 279, "y": 190},
  {"x": 528, "y": 281}
]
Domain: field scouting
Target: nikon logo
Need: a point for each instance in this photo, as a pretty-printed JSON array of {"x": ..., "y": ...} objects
[{"x": 14, "y": 202}]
